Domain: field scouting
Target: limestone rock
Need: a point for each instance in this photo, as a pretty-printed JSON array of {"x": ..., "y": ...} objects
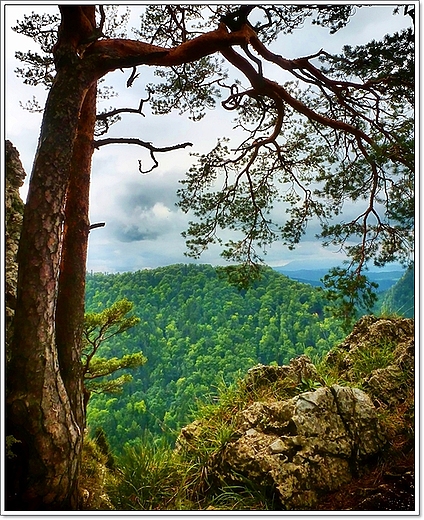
[
  {"x": 388, "y": 384},
  {"x": 14, "y": 209},
  {"x": 300, "y": 368},
  {"x": 189, "y": 434},
  {"x": 304, "y": 446}
]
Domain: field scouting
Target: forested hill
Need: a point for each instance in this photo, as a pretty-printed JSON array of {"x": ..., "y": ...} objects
[
  {"x": 198, "y": 332},
  {"x": 400, "y": 299}
]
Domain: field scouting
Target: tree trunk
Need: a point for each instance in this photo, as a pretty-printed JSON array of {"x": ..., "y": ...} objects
[
  {"x": 39, "y": 410},
  {"x": 71, "y": 294}
]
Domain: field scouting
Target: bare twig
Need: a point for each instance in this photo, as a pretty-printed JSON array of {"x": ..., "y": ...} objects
[
  {"x": 149, "y": 146},
  {"x": 105, "y": 115},
  {"x": 97, "y": 225},
  {"x": 132, "y": 78}
]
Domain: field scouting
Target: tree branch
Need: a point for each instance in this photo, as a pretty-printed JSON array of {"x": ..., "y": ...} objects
[
  {"x": 97, "y": 225},
  {"x": 272, "y": 89},
  {"x": 116, "y": 111},
  {"x": 139, "y": 142},
  {"x": 108, "y": 55},
  {"x": 153, "y": 149}
]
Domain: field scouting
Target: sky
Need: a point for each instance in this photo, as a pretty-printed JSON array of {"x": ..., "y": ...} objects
[{"x": 143, "y": 224}]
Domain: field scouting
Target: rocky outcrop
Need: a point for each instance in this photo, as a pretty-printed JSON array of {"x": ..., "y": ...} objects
[
  {"x": 301, "y": 369},
  {"x": 306, "y": 445},
  {"x": 14, "y": 209},
  {"x": 388, "y": 342}
]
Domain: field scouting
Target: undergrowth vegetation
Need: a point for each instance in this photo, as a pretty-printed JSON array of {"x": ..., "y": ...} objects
[{"x": 155, "y": 476}]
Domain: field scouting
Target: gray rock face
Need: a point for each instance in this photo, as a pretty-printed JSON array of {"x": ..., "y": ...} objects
[
  {"x": 389, "y": 384},
  {"x": 304, "y": 446},
  {"x": 14, "y": 208},
  {"x": 300, "y": 368}
]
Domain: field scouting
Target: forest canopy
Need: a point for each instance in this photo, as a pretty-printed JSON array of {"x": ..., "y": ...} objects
[{"x": 198, "y": 333}]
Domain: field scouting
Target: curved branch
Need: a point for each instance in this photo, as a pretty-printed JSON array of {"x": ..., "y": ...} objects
[
  {"x": 139, "y": 142},
  {"x": 104, "y": 56},
  {"x": 132, "y": 78},
  {"x": 272, "y": 89},
  {"x": 153, "y": 149},
  {"x": 277, "y": 127},
  {"x": 303, "y": 64},
  {"x": 97, "y": 225},
  {"x": 116, "y": 111}
]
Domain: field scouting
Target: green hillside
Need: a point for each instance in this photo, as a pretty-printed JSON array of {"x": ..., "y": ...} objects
[
  {"x": 198, "y": 333},
  {"x": 400, "y": 299}
]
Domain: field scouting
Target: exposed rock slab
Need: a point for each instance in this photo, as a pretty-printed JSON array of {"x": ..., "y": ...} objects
[{"x": 304, "y": 446}]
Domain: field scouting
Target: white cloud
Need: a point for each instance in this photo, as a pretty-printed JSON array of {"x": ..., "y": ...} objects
[{"x": 161, "y": 211}]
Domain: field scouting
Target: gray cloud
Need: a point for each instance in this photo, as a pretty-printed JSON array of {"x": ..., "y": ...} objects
[
  {"x": 134, "y": 234},
  {"x": 145, "y": 195}
]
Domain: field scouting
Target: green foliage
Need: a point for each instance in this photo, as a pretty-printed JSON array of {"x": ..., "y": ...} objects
[
  {"x": 353, "y": 368},
  {"x": 154, "y": 476},
  {"x": 399, "y": 299},
  {"x": 151, "y": 475},
  {"x": 197, "y": 330},
  {"x": 372, "y": 357},
  {"x": 38, "y": 67},
  {"x": 351, "y": 293},
  {"x": 190, "y": 88},
  {"x": 95, "y": 477},
  {"x": 10, "y": 441},
  {"x": 308, "y": 385},
  {"x": 391, "y": 61},
  {"x": 241, "y": 276},
  {"x": 98, "y": 329},
  {"x": 103, "y": 444},
  {"x": 150, "y": 478}
]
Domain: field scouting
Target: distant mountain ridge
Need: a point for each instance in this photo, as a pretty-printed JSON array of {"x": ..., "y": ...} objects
[{"x": 385, "y": 279}]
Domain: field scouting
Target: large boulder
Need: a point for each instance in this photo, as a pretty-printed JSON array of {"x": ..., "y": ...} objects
[{"x": 304, "y": 446}]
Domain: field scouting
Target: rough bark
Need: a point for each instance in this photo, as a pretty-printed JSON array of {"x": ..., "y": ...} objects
[
  {"x": 71, "y": 293},
  {"x": 39, "y": 414},
  {"x": 71, "y": 289},
  {"x": 109, "y": 55}
]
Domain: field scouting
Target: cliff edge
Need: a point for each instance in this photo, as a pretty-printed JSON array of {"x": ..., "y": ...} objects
[{"x": 334, "y": 436}]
